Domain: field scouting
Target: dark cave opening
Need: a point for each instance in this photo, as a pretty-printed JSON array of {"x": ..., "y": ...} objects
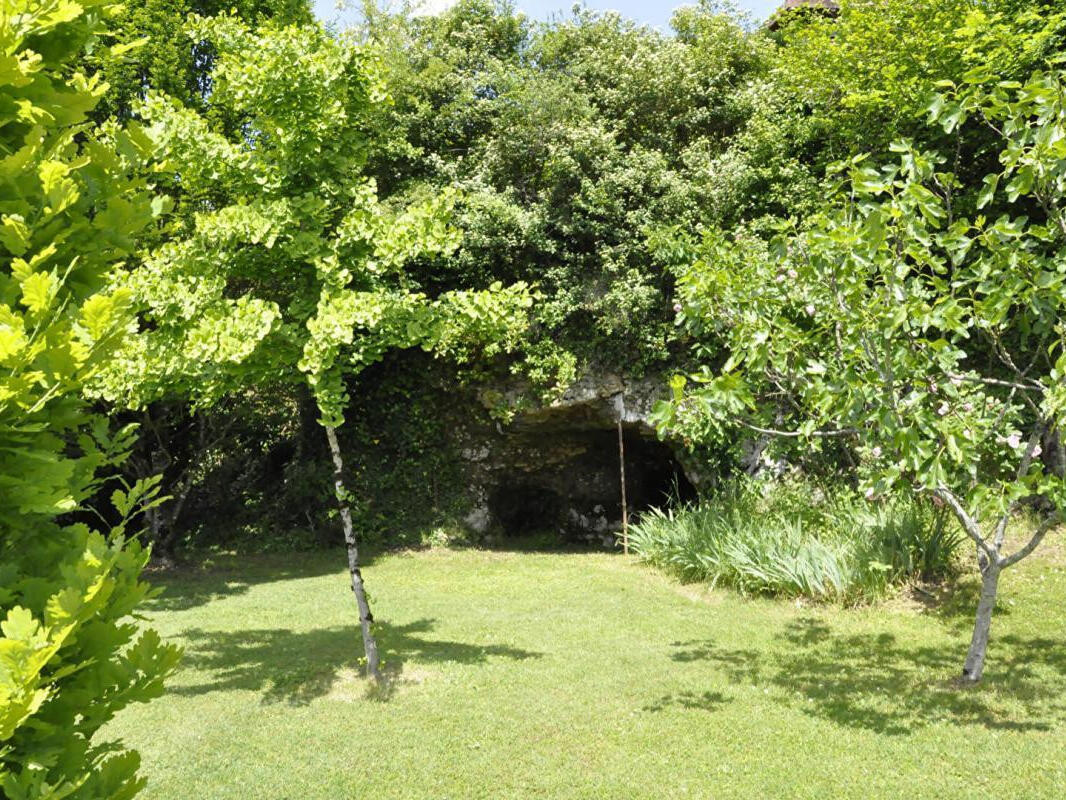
[
  {"x": 568, "y": 482},
  {"x": 654, "y": 477},
  {"x": 522, "y": 508}
]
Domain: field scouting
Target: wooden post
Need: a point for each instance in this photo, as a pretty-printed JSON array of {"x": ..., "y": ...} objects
[{"x": 622, "y": 472}]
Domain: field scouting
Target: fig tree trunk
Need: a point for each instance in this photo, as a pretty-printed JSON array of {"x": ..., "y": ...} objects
[
  {"x": 975, "y": 658},
  {"x": 366, "y": 619},
  {"x": 992, "y": 562}
]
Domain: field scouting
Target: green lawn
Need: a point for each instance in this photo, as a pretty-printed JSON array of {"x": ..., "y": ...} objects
[{"x": 520, "y": 674}]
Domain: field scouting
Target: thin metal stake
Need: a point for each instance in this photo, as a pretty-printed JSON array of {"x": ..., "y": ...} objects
[{"x": 622, "y": 471}]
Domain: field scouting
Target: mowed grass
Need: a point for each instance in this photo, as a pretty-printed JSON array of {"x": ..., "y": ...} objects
[{"x": 562, "y": 675}]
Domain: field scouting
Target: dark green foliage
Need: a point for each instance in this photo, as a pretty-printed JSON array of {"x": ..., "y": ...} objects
[
  {"x": 167, "y": 58},
  {"x": 576, "y": 142},
  {"x": 259, "y": 484},
  {"x": 247, "y": 474},
  {"x": 401, "y": 436},
  {"x": 570, "y": 144}
]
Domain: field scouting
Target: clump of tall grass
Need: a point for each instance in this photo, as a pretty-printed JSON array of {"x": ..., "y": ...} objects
[{"x": 796, "y": 539}]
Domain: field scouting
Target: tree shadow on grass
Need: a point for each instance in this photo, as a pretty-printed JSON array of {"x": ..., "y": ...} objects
[
  {"x": 874, "y": 682},
  {"x": 705, "y": 701},
  {"x": 297, "y": 668},
  {"x": 220, "y": 575},
  {"x": 954, "y": 603}
]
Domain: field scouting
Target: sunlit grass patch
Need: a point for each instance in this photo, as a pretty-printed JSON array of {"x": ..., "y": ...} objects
[{"x": 526, "y": 674}]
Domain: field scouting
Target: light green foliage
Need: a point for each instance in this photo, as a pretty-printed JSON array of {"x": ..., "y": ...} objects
[
  {"x": 654, "y": 690},
  {"x": 934, "y": 341},
  {"x": 286, "y": 258},
  {"x": 454, "y": 325},
  {"x": 865, "y": 75},
  {"x": 70, "y": 654},
  {"x": 795, "y": 539}
]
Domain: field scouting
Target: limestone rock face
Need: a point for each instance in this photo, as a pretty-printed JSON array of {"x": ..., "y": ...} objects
[{"x": 556, "y": 466}]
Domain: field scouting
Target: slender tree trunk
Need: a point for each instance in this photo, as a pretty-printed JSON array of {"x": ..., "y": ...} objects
[
  {"x": 1055, "y": 448},
  {"x": 162, "y": 544},
  {"x": 992, "y": 562},
  {"x": 365, "y": 617},
  {"x": 975, "y": 658}
]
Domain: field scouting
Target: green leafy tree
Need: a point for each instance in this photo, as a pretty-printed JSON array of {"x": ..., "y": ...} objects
[
  {"x": 285, "y": 267},
  {"x": 570, "y": 141},
  {"x": 154, "y": 52},
  {"x": 71, "y": 654},
  {"x": 931, "y": 344}
]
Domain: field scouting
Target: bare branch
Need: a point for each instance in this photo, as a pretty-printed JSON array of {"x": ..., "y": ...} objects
[
  {"x": 1001, "y": 526},
  {"x": 797, "y": 434},
  {"x": 969, "y": 524},
  {"x": 1030, "y": 450},
  {"x": 995, "y": 382},
  {"x": 1006, "y": 406},
  {"x": 1023, "y": 469},
  {"x": 1006, "y": 359},
  {"x": 1033, "y": 542}
]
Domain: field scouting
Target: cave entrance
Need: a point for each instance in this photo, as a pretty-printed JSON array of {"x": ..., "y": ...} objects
[
  {"x": 654, "y": 478},
  {"x": 523, "y": 508},
  {"x": 567, "y": 482}
]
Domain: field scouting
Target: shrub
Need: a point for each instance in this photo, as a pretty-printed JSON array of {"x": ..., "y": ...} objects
[
  {"x": 796, "y": 539},
  {"x": 71, "y": 654}
]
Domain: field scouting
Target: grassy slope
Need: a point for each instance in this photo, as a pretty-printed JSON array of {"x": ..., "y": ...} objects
[{"x": 574, "y": 675}]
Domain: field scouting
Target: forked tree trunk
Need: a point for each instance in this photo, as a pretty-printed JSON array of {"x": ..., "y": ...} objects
[
  {"x": 992, "y": 562},
  {"x": 365, "y": 617},
  {"x": 975, "y": 658}
]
